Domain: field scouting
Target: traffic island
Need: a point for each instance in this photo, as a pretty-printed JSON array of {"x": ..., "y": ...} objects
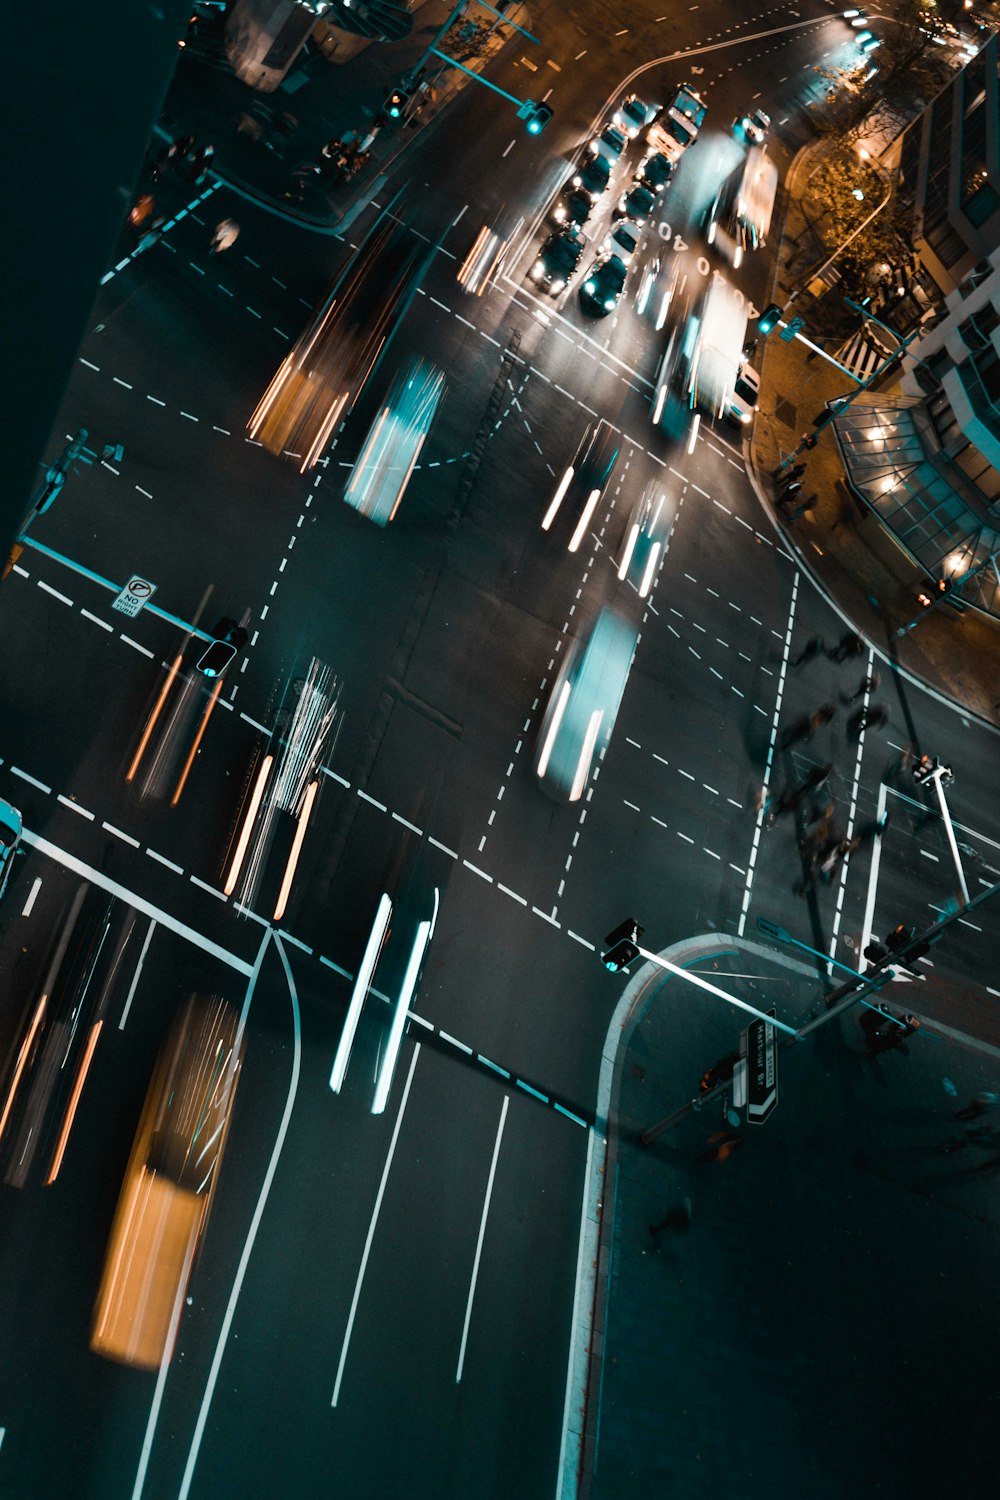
[{"x": 754, "y": 1285}]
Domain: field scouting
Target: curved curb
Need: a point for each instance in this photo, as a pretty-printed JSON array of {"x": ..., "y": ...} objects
[{"x": 586, "y": 1351}]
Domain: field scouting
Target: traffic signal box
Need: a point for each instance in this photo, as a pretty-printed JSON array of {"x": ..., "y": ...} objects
[{"x": 621, "y": 946}]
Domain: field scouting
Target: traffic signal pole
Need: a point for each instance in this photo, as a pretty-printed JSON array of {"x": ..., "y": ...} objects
[{"x": 410, "y": 79}]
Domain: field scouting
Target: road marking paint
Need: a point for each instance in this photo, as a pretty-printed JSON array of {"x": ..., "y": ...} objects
[
  {"x": 407, "y": 824},
  {"x": 546, "y": 917},
  {"x": 344, "y": 973},
  {"x": 482, "y": 1235},
  {"x": 334, "y": 776},
  {"x": 684, "y": 837},
  {"x": 495, "y": 1066},
  {"x": 161, "y": 859},
  {"x": 64, "y": 598},
  {"x": 631, "y": 805},
  {"x": 32, "y": 897},
  {"x": 125, "y": 837},
  {"x": 16, "y": 771},
  {"x": 443, "y": 847},
  {"x": 446, "y": 1037},
  {"x": 96, "y": 621},
  {"x": 658, "y": 820},
  {"x": 477, "y": 871},
  {"x": 74, "y": 807},
  {"x": 211, "y": 889},
  {"x": 133, "y": 899},
  {"x": 371, "y": 1227},
  {"x": 380, "y": 805},
  {"x": 138, "y": 970},
  {"x": 582, "y": 940},
  {"x": 135, "y": 645},
  {"x": 513, "y": 894},
  {"x": 927, "y": 855}
]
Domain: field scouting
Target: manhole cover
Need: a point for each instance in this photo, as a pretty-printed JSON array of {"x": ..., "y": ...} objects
[{"x": 786, "y": 413}]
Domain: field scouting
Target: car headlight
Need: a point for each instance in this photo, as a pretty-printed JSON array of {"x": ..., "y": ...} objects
[
  {"x": 539, "y": 270},
  {"x": 558, "y": 284},
  {"x": 590, "y": 286},
  {"x": 745, "y": 416},
  {"x": 559, "y": 214},
  {"x": 609, "y": 303}
]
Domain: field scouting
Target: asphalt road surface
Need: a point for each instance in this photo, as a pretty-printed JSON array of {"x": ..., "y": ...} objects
[{"x": 385, "y": 1301}]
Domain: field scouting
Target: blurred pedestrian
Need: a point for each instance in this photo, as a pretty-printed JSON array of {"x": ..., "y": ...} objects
[
  {"x": 978, "y": 1106},
  {"x": 848, "y": 646},
  {"x": 789, "y": 476},
  {"x": 799, "y": 510},
  {"x": 801, "y": 730},
  {"x": 867, "y": 718},
  {"x": 720, "y": 1072},
  {"x": 142, "y": 211},
  {"x": 813, "y": 647},
  {"x": 823, "y": 715},
  {"x": 226, "y": 234},
  {"x": 721, "y": 1146},
  {"x": 867, "y": 685},
  {"x": 677, "y": 1218}
]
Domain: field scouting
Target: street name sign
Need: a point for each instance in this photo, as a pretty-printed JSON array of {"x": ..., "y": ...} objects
[
  {"x": 136, "y": 593},
  {"x": 762, "y": 1071}
]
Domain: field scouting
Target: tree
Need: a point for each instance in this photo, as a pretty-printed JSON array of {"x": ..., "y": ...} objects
[{"x": 890, "y": 85}]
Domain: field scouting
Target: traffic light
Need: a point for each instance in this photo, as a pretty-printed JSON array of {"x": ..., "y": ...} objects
[
  {"x": 396, "y": 103},
  {"x": 540, "y": 116},
  {"x": 769, "y": 319},
  {"x": 621, "y": 949},
  {"x": 928, "y": 767}
]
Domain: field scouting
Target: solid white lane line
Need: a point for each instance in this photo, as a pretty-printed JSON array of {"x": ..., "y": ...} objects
[
  {"x": 133, "y": 899},
  {"x": 866, "y": 928},
  {"x": 851, "y": 814},
  {"x": 482, "y": 1236},
  {"x": 371, "y": 1227},
  {"x": 32, "y": 896},
  {"x": 262, "y": 1197},
  {"x": 135, "y": 977},
  {"x": 772, "y": 743}
]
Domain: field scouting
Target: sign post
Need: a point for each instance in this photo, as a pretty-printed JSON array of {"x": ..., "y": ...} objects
[
  {"x": 762, "y": 1071},
  {"x": 136, "y": 593}
]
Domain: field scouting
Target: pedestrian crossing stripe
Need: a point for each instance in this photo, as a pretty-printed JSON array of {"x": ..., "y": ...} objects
[{"x": 861, "y": 354}]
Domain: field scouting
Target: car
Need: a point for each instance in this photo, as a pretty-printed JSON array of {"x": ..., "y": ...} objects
[
  {"x": 655, "y": 171},
  {"x": 573, "y": 207},
  {"x": 623, "y": 241},
  {"x": 583, "y": 706},
  {"x": 605, "y": 282},
  {"x": 610, "y": 144},
  {"x": 746, "y": 394},
  {"x": 389, "y": 454},
  {"x": 482, "y": 262},
  {"x": 169, "y": 1186},
  {"x": 11, "y": 829},
  {"x": 645, "y": 539},
  {"x": 632, "y": 115},
  {"x": 753, "y": 126},
  {"x": 593, "y": 175},
  {"x": 636, "y": 203},
  {"x": 558, "y": 259},
  {"x": 230, "y": 637},
  {"x": 584, "y": 481}
]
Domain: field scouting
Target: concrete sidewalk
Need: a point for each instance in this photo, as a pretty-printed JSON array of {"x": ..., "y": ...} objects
[
  {"x": 816, "y": 1325},
  {"x": 321, "y": 101},
  {"x": 839, "y": 540}
]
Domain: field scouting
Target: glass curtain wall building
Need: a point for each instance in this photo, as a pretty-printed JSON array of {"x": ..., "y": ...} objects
[{"x": 927, "y": 459}]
